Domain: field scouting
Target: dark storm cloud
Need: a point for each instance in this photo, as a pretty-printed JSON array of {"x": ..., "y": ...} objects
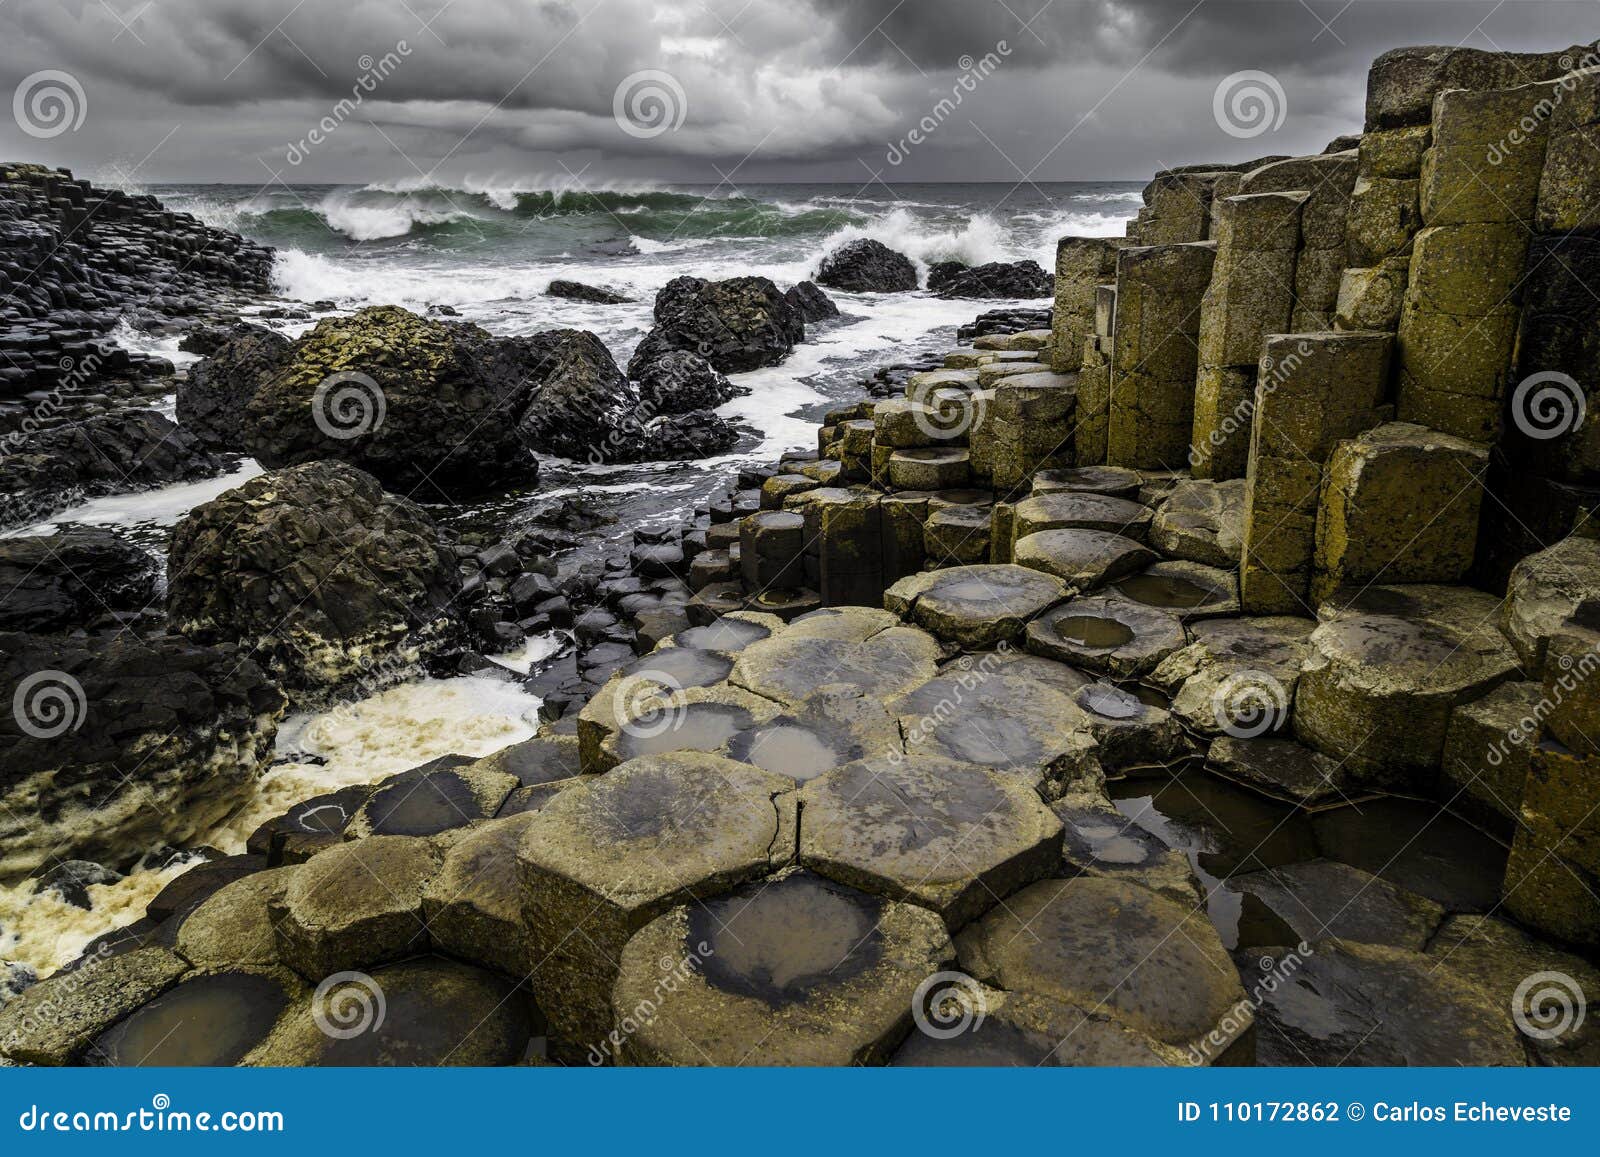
[{"x": 768, "y": 89}]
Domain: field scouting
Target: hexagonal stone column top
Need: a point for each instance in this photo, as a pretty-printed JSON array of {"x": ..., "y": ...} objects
[
  {"x": 1153, "y": 965},
  {"x": 823, "y": 732},
  {"x": 954, "y": 837},
  {"x": 1084, "y": 559},
  {"x": 1109, "y": 634},
  {"x": 975, "y": 606},
  {"x": 794, "y": 971},
  {"x": 824, "y": 653}
]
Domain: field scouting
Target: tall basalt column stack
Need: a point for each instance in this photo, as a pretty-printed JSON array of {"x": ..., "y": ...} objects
[
  {"x": 1328, "y": 179},
  {"x": 1458, "y": 323},
  {"x": 1313, "y": 391},
  {"x": 1094, "y": 382},
  {"x": 1155, "y": 353},
  {"x": 1546, "y": 472},
  {"x": 1385, "y": 214},
  {"x": 1251, "y": 294},
  {"x": 1083, "y": 264}
]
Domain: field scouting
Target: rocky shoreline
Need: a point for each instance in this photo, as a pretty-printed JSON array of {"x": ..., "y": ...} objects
[{"x": 1197, "y": 671}]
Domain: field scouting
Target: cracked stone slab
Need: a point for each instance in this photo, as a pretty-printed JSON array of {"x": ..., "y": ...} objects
[
  {"x": 796, "y": 664},
  {"x": 1279, "y": 768},
  {"x": 54, "y": 1021},
  {"x": 950, "y": 836},
  {"x": 1237, "y": 673},
  {"x": 1323, "y": 898},
  {"x": 974, "y": 607}
]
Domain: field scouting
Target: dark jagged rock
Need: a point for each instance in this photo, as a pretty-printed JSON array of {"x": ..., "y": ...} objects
[
  {"x": 320, "y": 572},
  {"x": 679, "y": 381},
  {"x": 213, "y": 399},
  {"x": 106, "y": 454},
  {"x": 867, "y": 266},
  {"x": 118, "y": 743},
  {"x": 697, "y": 434},
  {"x": 997, "y": 279},
  {"x": 414, "y": 402},
  {"x": 66, "y": 580},
  {"x": 1003, "y": 321},
  {"x": 77, "y": 258},
  {"x": 739, "y": 324},
  {"x": 578, "y": 291},
  {"x": 583, "y": 408},
  {"x": 813, "y": 304}
]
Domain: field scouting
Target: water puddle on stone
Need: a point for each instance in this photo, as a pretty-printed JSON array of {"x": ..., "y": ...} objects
[
  {"x": 1416, "y": 845},
  {"x": 1222, "y": 829},
  {"x": 683, "y": 667},
  {"x": 1164, "y": 591},
  {"x": 698, "y": 727},
  {"x": 1093, "y": 631},
  {"x": 727, "y": 635},
  {"x": 424, "y": 806},
  {"x": 780, "y": 941},
  {"x": 791, "y": 749},
  {"x": 211, "y": 1020}
]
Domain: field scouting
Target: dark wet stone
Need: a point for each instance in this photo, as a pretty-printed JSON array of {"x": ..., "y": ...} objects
[
  {"x": 1418, "y": 846},
  {"x": 208, "y": 1020},
  {"x": 1322, "y": 898}
]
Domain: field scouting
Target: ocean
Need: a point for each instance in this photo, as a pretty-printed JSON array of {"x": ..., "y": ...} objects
[{"x": 488, "y": 250}]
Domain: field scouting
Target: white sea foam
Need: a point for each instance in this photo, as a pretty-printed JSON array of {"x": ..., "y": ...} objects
[{"x": 163, "y": 507}]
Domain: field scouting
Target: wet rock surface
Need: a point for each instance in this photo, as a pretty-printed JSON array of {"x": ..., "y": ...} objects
[{"x": 866, "y": 266}]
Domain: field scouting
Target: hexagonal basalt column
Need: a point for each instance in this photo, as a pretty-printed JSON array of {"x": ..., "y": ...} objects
[
  {"x": 843, "y": 529},
  {"x": 1148, "y": 963},
  {"x": 1313, "y": 391},
  {"x": 1155, "y": 353},
  {"x": 1082, "y": 265},
  {"x": 794, "y": 971},
  {"x": 1076, "y": 510},
  {"x": 1398, "y": 501},
  {"x": 601, "y": 861},
  {"x": 975, "y": 606},
  {"x": 1108, "y": 634},
  {"x": 950, "y": 836},
  {"x": 772, "y": 550},
  {"x": 1385, "y": 672},
  {"x": 860, "y": 654}
]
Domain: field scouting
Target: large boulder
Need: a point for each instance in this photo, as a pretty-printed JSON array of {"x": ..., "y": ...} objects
[
  {"x": 213, "y": 399},
  {"x": 867, "y": 266},
  {"x": 65, "y": 580},
  {"x": 995, "y": 279},
  {"x": 318, "y": 571},
  {"x": 813, "y": 304},
  {"x": 114, "y": 744},
  {"x": 739, "y": 324},
  {"x": 678, "y": 381},
  {"x": 583, "y": 408},
  {"x": 409, "y": 399}
]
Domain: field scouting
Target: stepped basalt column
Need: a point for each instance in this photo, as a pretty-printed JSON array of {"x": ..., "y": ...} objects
[
  {"x": 1251, "y": 294},
  {"x": 1155, "y": 352},
  {"x": 1083, "y": 264},
  {"x": 1094, "y": 382},
  {"x": 1313, "y": 391}
]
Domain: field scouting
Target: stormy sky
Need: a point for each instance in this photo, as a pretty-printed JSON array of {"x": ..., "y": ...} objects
[{"x": 704, "y": 90}]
